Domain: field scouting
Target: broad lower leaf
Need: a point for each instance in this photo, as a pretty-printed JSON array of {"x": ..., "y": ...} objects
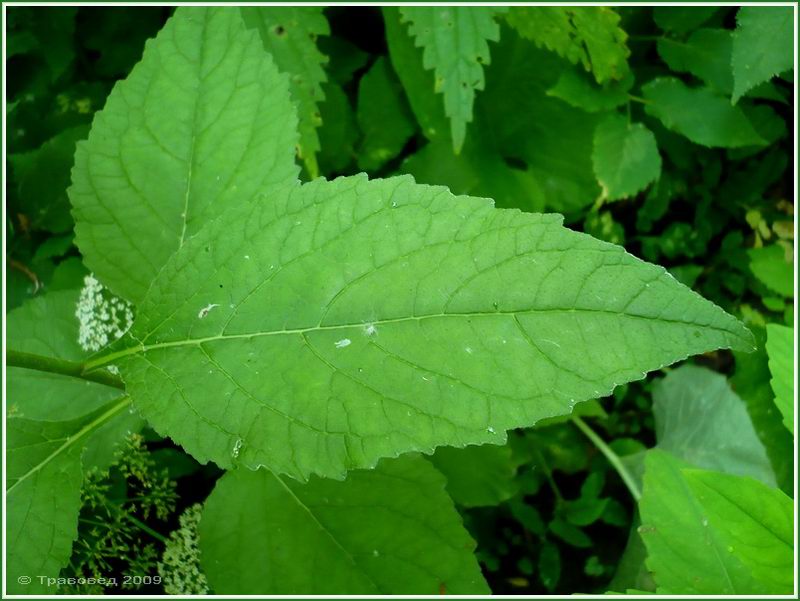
[
  {"x": 780, "y": 349},
  {"x": 701, "y": 420},
  {"x": 289, "y": 35},
  {"x": 686, "y": 555},
  {"x": 756, "y": 522},
  {"x": 383, "y": 116},
  {"x": 44, "y": 493},
  {"x": 345, "y": 321},
  {"x": 178, "y": 141},
  {"x": 587, "y": 35},
  {"x": 478, "y": 476},
  {"x": 455, "y": 45},
  {"x": 763, "y": 46},
  {"x": 391, "y": 530},
  {"x": 47, "y": 326},
  {"x": 625, "y": 157},
  {"x": 700, "y": 114},
  {"x": 578, "y": 90}
]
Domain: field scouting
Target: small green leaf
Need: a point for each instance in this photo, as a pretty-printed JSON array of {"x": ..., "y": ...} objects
[
  {"x": 390, "y": 530},
  {"x": 706, "y": 54},
  {"x": 577, "y": 89},
  {"x": 42, "y": 176},
  {"x": 701, "y": 420},
  {"x": 289, "y": 35},
  {"x": 763, "y": 46},
  {"x": 383, "y": 116},
  {"x": 570, "y": 534},
  {"x": 625, "y": 157},
  {"x": 298, "y": 312},
  {"x": 478, "y": 476},
  {"x": 780, "y": 349},
  {"x": 455, "y": 45},
  {"x": 549, "y": 565},
  {"x": 147, "y": 178},
  {"x": 590, "y": 36},
  {"x": 44, "y": 493},
  {"x": 772, "y": 266},
  {"x": 338, "y": 135},
  {"x": 699, "y": 114},
  {"x": 691, "y": 540},
  {"x": 682, "y": 19}
]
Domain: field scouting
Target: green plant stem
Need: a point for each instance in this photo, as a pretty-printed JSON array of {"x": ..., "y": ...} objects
[
  {"x": 63, "y": 367},
  {"x": 145, "y": 528},
  {"x": 639, "y": 99},
  {"x": 612, "y": 457}
]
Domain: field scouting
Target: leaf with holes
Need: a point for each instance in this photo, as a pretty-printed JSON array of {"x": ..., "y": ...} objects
[
  {"x": 391, "y": 530},
  {"x": 455, "y": 45},
  {"x": 289, "y": 35},
  {"x": 346, "y": 321},
  {"x": 147, "y": 177}
]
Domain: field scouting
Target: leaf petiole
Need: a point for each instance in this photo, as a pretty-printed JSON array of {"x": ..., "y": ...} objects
[
  {"x": 62, "y": 367},
  {"x": 612, "y": 457}
]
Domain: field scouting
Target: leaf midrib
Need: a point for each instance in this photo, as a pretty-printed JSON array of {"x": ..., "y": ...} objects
[
  {"x": 71, "y": 440},
  {"x": 142, "y": 348}
]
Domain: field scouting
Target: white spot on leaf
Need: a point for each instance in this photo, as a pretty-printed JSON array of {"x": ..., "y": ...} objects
[
  {"x": 205, "y": 310},
  {"x": 342, "y": 343}
]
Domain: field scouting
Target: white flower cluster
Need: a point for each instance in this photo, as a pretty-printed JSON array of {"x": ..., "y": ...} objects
[
  {"x": 179, "y": 567},
  {"x": 102, "y": 316}
]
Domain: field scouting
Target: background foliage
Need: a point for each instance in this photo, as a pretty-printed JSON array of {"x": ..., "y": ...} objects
[{"x": 665, "y": 130}]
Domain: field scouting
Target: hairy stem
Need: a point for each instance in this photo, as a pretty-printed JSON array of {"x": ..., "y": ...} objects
[
  {"x": 63, "y": 367},
  {"x": 612, "y": 457}
]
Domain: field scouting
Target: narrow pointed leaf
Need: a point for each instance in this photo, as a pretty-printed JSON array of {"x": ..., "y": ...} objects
[
  {"x": 346, "y": 321},
  {"x": 179, "y": 140},
  {"x": 455, "y": 42},
  {"x": 289, "y": 35},
  {"x": 44, "y": 493},
  {"x": 391, "y": 530},
  {"x": 763, "y": 46}
]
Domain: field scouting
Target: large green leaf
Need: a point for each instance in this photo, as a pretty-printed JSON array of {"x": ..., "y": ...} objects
[
  {"x": 579, "y": 90},
  {"x": 47, "y": 326},
  {"x": 773, "y": 267},
  {"x": 589, "y": 35},
  {"x": 700, "y": 114},
  {"x": 625, "y": 157},
  {"x": 178, "y": 140},
  {"x": 702, "y": 421},
  {"x": 455, "y": 42},
  {"x": 383, "y": 115},
  {"x": 44, "y": 493},
  {"x": 390, "y": 530},
  {"x": 686, "y": 555},
  {"x": 755, "y": 521},
  {"x": 289, "y": 35},
  {"x": 780, "y": 349},
  {"x": 346, "y": 321},
  {"x": 763, "y": 45}
]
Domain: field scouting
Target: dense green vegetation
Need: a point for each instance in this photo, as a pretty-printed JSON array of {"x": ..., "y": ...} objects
[{"x": 266, "y": 335}]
